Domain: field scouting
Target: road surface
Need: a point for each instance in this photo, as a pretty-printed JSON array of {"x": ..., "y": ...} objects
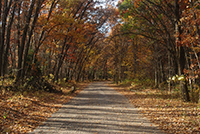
[{"x": 98, "y": 109}]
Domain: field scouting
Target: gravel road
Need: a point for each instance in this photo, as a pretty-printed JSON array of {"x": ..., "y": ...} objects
[{"x": 98, "y": 109}]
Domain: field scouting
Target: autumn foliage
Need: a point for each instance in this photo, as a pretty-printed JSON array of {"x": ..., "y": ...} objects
[
  {"x": 44, "y": 42},
  {"x": 161, "y": 41}
]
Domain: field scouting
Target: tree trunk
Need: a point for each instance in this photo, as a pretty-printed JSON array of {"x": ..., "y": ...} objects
[
  {"x": 116, "y": 77},
  {"x": 18, "y": 30},
  {"x": 61, "y": 59},
  {"x": 8, "y": 39},
  {"x": 169, "y": 72},
  {"x": 41, "y": 37},
  {"x": 105, "y": 70},
  {"x": 180, "y": 53},
  {"x": 156, "y": 72},
  {"x": 6, "y": 8},
  {"x": 38, "y": 7},
  {"x": 191, "y": 82},
  {"x": 79, "y": 58},
  {"x": 181, "y": 65},
  {"x": 135, "y": 49},
  {"x": 83, "y": 61},
  {"x": 23, "y": 40}
]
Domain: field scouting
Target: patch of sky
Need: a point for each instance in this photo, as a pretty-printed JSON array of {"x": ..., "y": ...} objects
[{"x": 106, "y": 4}]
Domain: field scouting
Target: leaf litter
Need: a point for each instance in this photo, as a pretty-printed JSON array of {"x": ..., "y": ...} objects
[
  {"x": 166, "y": 110},
  {"x": 21, "y": 112}
]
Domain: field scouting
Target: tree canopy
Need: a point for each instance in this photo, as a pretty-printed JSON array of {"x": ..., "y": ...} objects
[{"x": 86, "y": 40}]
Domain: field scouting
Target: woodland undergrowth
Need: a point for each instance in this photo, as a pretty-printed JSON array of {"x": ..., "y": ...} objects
[
  {"x": 24, "y": 108},
  {"x": 167, "y": 110}
]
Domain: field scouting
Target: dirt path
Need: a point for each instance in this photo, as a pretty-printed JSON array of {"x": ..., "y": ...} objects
[{"x": 97, "y": 109}]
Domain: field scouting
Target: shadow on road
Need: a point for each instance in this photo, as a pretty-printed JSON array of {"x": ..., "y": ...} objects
[{"x": 97, "y": 109}]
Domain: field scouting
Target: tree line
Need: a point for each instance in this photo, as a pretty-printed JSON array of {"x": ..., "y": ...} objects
[
  {"x": 149, "y": 40},
  {"x": 50, "y": 37},
  {"x": 157, "y": 40}
]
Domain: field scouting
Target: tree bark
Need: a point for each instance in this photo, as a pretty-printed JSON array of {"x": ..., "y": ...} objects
[
  {"x": 21, "y": 49},
  {"x": 83, "y": 61},
  {"x": 135, "y": 49},
  {"x": 38, "y": 7},
  {"x": 169, "y": 72},
  {"x": 41, "y": 37},
  {"x": 6, "y": 8},
  {"x": 5, "y": 64},
  {"x": 180, "y": 53},
  {"x": 156, "y": 66}
]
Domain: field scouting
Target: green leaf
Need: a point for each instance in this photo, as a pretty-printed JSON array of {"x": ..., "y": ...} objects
[{"x": 5, "y": 115}]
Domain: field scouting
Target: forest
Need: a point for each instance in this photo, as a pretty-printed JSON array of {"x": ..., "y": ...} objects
[{"x": 47, "y": 45}]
